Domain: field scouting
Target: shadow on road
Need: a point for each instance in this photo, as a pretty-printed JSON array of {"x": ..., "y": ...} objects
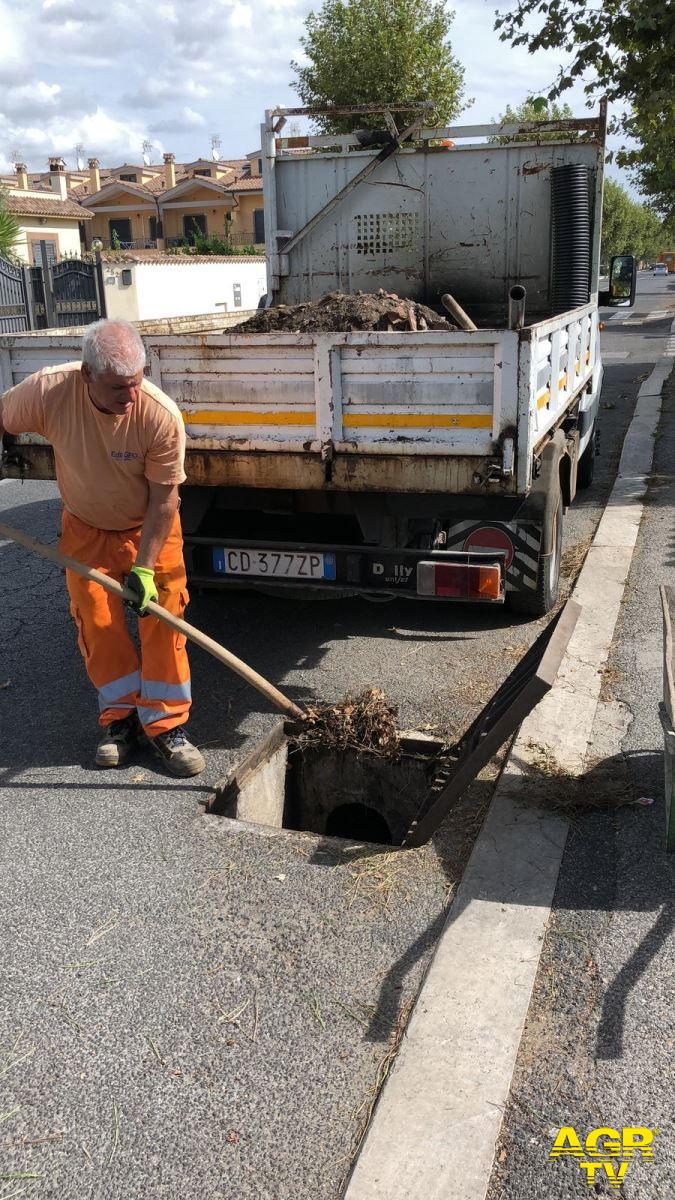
[{"x": 599, "y": 874}]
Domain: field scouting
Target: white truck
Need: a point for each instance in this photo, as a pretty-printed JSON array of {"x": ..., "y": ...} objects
[{"x": 419, "y": 463}]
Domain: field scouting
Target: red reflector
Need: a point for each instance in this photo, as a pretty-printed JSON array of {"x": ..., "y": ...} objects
[{"x": 460, "y": 582}]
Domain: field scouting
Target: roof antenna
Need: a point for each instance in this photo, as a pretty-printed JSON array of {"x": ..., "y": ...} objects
[
  {"x": 79, "y": 154},
  {"x": 215, "y": 147},
  {"x": 147, "y": 150}
]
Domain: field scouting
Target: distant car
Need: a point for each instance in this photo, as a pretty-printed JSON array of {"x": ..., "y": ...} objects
[{"x": 660, "y": 269}]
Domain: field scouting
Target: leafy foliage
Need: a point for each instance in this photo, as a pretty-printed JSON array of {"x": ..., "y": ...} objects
[
  {"x": 376, "y": 51},
  {"x": 535, "y": 110},
  {"x": 629, "y": 227},
  {"x": 9, "y": 231},
  {"x": 624, "y": 49},
  {"x": 213, "y": 243}
]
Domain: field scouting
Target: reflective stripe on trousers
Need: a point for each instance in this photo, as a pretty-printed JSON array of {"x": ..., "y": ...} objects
[
  {"x": 123, "y": 689},
  {"x": 158, "y": 685},
  {"x": 171, "y": 697}
]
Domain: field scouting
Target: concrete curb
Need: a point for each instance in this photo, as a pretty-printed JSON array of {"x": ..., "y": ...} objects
[{"x": 435, "y": 1126}]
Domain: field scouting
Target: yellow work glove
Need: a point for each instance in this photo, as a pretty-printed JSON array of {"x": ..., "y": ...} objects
[{"x": 141, "y": 581}]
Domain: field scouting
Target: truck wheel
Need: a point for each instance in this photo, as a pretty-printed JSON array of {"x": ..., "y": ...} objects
[
  {"x": 586, "y": 464},
  {"x": 542, "y": 599}
]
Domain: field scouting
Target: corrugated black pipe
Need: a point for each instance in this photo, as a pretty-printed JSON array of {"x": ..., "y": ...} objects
[{"x": 571, "y": 186}]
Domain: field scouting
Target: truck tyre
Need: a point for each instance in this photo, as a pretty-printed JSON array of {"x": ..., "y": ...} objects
[
  {"x": 542, "y": 598},
  {"x": 586, "y": 464}
]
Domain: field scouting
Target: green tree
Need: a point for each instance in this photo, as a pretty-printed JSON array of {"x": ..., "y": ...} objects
[
  {"x": 624, "y": 49},
  {"x": 9, "y": 230},
  {"x": 376, "y": 51},
  {"x": 534, "y": 110},
  {"x": 629, "y": 227}
]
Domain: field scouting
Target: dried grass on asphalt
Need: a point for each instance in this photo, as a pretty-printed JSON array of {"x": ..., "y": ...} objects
[
  {"x": 380, "y": 876},
  {"x": 547, "y": 785},
  {"x": 363, "y": 1114},
  {"x": 573, "y": 558}
]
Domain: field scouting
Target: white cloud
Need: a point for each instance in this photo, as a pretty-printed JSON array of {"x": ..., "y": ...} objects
[
  {"x": 241, "y": 17},
  {"x": 191, "y": 117},
  {"x": 110, "y": 72}
]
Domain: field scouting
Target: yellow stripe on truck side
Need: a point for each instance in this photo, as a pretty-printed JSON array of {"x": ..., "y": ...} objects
[
  {"x": 416, "y": 420},
  {"x": 350, "y": 420},
  {"x": 243, "y": 417}
]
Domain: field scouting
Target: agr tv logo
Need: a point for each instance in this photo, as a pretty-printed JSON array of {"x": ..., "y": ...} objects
[{"x": 605, "y": 1150}]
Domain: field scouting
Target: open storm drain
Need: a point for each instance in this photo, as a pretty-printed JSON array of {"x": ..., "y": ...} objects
[
  {"x": 288, "y": 782},
  {"x": 331, "y": 792}
]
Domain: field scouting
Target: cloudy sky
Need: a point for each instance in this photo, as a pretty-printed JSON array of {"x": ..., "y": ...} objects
[{"x": 108, "y": 74}]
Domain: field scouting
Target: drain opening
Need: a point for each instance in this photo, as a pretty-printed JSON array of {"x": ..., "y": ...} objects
[
  {"x": 358, "y": 822},
  {"x": 348, "y": 794}
]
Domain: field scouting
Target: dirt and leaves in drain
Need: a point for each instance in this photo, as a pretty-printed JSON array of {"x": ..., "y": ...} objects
[{"x": 362, "y": 722}]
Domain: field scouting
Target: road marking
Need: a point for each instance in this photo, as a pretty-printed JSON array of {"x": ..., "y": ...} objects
[
  {"x": 604, "y": 354},
  {"x": 438, "y": 1117}
]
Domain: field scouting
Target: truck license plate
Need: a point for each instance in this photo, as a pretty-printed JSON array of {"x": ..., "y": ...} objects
[{"x": 277, "y": 564}]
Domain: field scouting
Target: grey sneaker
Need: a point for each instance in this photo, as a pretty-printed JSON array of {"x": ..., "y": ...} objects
[
  {"x": 177, "y": 753},
  {"x": 119, "y": 739}
]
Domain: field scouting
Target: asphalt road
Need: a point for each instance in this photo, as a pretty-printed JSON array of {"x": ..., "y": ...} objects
[
  {"x": 190, "y": 1009},
  {"x": 600, "y": 1036}
]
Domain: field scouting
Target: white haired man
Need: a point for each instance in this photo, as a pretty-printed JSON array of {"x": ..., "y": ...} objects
[{"x": 119, "y": 446}]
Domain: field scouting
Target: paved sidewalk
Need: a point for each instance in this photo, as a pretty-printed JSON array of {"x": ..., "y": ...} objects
[{"x": 600, "y": 1037}]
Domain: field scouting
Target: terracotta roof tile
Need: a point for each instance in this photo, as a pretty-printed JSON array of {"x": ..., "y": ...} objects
[
  {"x": 246, "y": 183},
  {"x": 22, "y": 205}
]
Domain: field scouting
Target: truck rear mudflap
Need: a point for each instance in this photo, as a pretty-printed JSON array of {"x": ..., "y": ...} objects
[{"x": 478, "y": 576}]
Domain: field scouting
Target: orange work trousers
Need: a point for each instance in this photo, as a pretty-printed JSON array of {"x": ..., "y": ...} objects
[{"x": 158, "y": 684}]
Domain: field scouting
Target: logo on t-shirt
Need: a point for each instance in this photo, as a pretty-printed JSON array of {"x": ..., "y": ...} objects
[{"x": 123, "y": 455}]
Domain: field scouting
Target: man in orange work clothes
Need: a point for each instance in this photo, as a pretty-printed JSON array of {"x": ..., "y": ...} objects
[{"x": 119, "y": 446}]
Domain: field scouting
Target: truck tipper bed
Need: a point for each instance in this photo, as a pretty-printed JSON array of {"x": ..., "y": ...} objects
[{"x": 419, "y": 463}]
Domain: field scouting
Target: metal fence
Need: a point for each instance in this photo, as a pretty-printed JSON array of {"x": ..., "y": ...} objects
[
  {"x": 14, "y": 298},
  {"x": 50, "y": 296}
]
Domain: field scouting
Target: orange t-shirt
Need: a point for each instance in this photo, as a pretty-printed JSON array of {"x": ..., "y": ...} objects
[{"x": 103, "y": 461}]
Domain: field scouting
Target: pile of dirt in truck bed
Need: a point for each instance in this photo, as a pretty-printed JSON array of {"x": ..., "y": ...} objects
[
  {"x": 339, "y": 312},
  {"x": 363, "y": 722}
]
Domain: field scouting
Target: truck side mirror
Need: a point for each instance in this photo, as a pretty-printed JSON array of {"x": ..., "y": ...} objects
[{"x": 622, "y": 280}]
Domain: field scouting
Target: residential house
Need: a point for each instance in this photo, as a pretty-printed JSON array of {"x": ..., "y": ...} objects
[
  {"x": 46, "y": 214},
  {"x": 146, "y": 206}
]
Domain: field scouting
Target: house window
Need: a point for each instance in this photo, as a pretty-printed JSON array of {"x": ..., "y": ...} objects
[
  {"x": 193, "y": 225},
  {"x": 153, "y": 229},
  {"x": 236, "y": 290},
  {"x": 258, "y": 226},
  {"x": 130, "y": 178},
  {"x": 120, "y": 231},
  {"x": 36, "y": 254},
  {"x": 203, "y": 171}
]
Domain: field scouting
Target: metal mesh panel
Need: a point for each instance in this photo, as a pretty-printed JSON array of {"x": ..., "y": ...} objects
[{"x": 384, "y": 233}]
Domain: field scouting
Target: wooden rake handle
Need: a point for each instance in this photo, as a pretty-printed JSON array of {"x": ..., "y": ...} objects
[{"x": 194, "y": 635}]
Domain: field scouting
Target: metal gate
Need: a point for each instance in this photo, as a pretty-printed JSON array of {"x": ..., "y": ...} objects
[
  {"x": 52, "y": 296},
  {"x": 14, "y": 306},
  {"x": 75, "y": 292},
  {"x": 38, "y": 299}
]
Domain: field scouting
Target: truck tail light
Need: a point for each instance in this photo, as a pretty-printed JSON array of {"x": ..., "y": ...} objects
[{"x": 460, "y": 581}]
